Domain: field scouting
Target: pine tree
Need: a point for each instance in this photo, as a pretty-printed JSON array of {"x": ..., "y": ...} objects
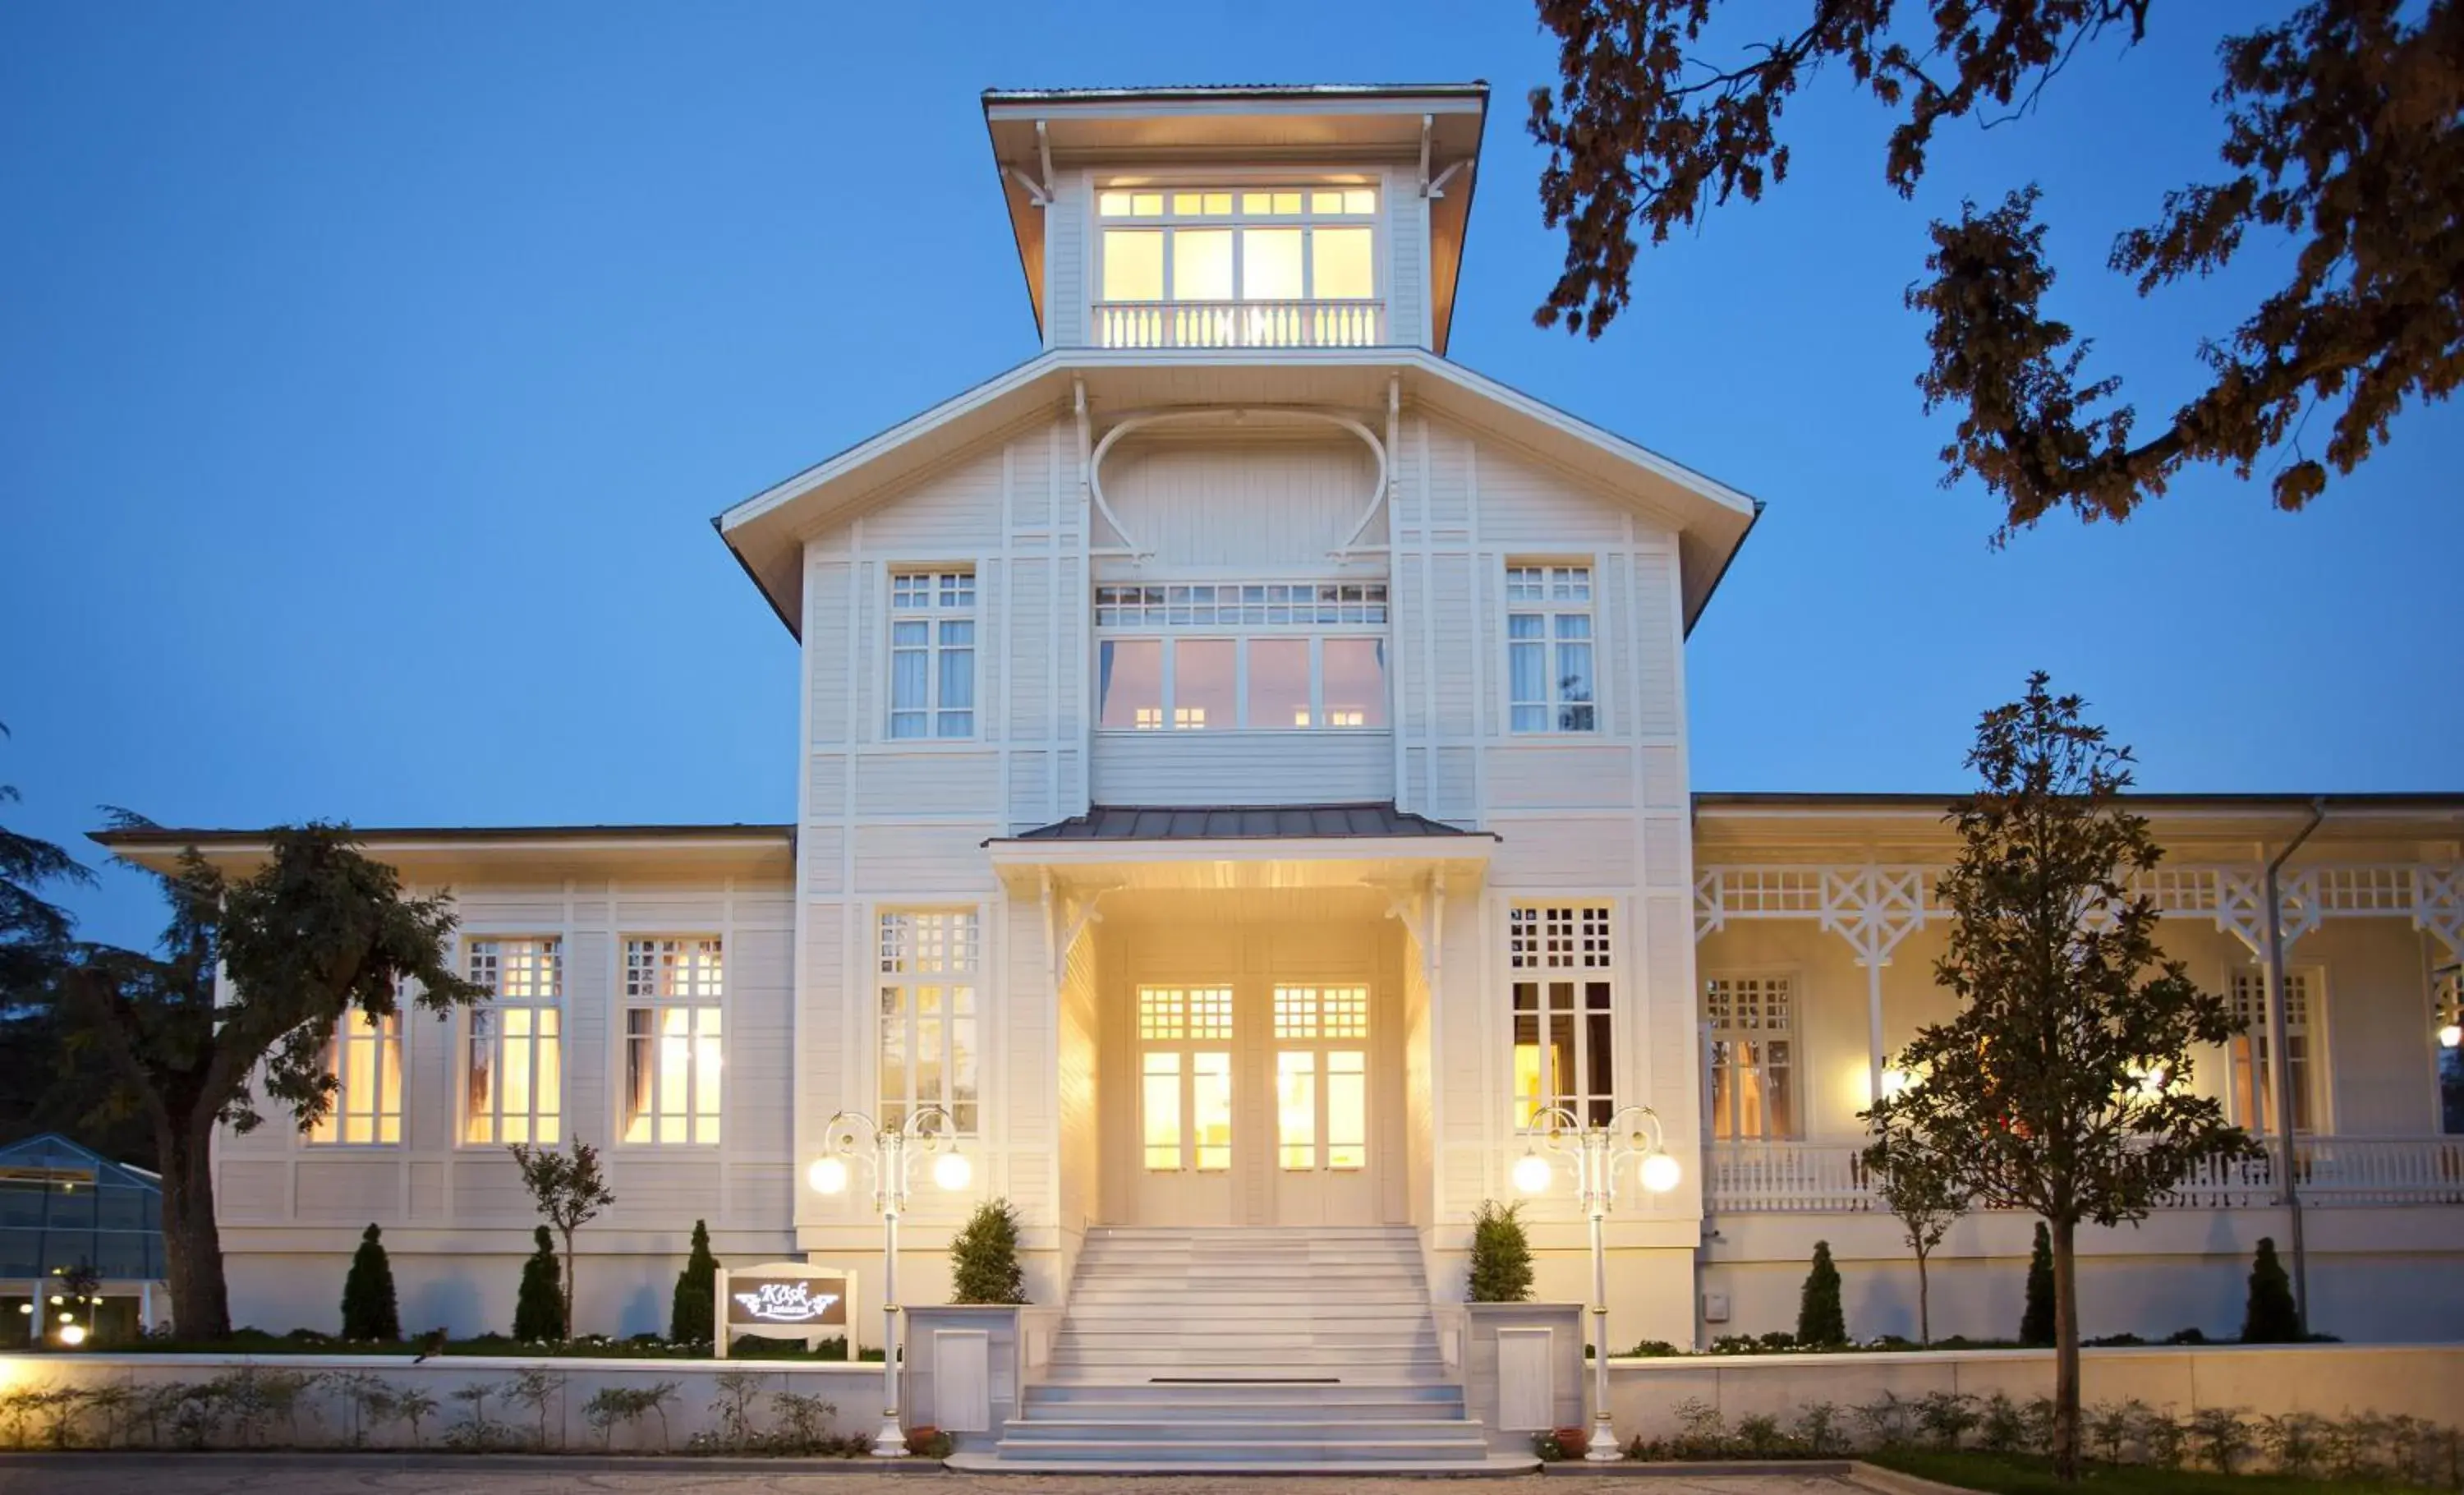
[
  {"x": 691, "y": 1313},
  {"x": 2037, "y": 1323},
  {"x": 1501, "y": 1255},
  {"x": 538, "y": 1313},
  {"x": 2269, "y": 1317},
  {"x": 368, "y": 1309},
  {"x": 1820, "y": 1320},
  {"x": 984, "y": 1257}
]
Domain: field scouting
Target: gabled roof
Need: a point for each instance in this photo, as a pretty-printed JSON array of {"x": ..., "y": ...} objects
[
  {"x": 50, "y": 1157},
  {"x": 766, "y": 531},
  {"x": 1251, "y": 124}
]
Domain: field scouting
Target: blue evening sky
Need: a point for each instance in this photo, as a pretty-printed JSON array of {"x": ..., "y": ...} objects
[{"x": 368, "y": 374}]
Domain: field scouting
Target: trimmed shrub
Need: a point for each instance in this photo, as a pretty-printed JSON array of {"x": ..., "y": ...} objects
[
  {"x": 1501, "y": 1255},
  {"x": 368, "y": 1307},
  {"x": 984, "y": 1257},
  {"x": 2036, "y": 1321},
  {"x": 2268, "y": 1316},
  {"x": 538, "y": 1311},
  {"x": 1819, "y": 1318},
  {"x": 692, "y": 1311}
]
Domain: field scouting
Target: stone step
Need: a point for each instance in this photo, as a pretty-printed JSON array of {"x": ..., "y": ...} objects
[
  {"x": 1432, "y": 1431},
  {"x": 1189, "y": 1406},
  {"x": 1271, "y": 1453},
  {"x": 1267, "y": 1396}
]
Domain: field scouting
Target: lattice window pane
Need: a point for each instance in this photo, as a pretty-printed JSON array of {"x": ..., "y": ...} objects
[{"x": 928, "y": 1044}]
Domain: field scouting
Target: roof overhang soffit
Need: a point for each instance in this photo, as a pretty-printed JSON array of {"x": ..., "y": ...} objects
[{"x": 1451, "y": 864}]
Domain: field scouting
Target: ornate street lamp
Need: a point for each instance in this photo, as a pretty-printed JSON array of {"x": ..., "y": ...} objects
[
  {"x": 891, "y": 1153},
  {"x": 1596, "y": 1150}
]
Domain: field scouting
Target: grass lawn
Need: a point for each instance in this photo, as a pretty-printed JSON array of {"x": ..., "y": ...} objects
[{"x": 2017, "y": 1475}]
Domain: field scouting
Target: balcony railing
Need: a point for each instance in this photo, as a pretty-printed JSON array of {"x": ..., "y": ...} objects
[
  {"x": 1830, "y": 1178},
  {"x": 1240, "y": 324}
]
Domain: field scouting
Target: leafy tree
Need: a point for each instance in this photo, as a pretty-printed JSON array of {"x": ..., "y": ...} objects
[
  {"x": 315, "y": 931},
  {"x": 538, "y": 1310},
  {"x": 2037, "y": 1314},
  {"x": 1919, "y": 1186},
  {"x": 2059, "y": 1088},
  {"x": 2342, "y": 135},
  {"x": 984, "y": 1257},
  {"x": 1819, "y": 1318},
  {"x": 2268, "y": 1316},
  {"x": 34, "y": 932},
  {"x": 368, "y": 1307},
  {"x": 569, "y": 1191},
  {"x": 693, "y": 1309},
  {"x": 1501, "y": 1255}
]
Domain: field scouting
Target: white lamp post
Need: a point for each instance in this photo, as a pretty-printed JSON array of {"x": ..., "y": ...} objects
[
  {"x": 1596, "y": 1151},
  {"x": 891, "y": 1153}
]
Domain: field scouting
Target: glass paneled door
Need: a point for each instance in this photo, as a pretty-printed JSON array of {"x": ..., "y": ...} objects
[
  {"x": 1185, "y": 1067},
  {"x": 1321, "y": 1050},
  {"x": 1253, "y": 1105}
]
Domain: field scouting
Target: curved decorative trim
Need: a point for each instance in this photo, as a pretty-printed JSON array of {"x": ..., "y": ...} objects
[{"x": 1139, "y": 420}]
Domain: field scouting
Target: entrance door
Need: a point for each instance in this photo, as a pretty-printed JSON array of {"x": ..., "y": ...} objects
[
  {"x": 1321, "y": 1070},
  {"x": 1253, "y": 1105},
  {"x": 1185, "y": 1105}
]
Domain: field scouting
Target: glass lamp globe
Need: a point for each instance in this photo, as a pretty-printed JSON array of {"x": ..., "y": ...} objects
[
  {"x": 72, "y": 1334},
  {"x": 828, "y": 1175},
  {"x": 953, "y": 1172},
  {"x": 1532, "y": 1173},
  {"x": 1660, "y": 1172},
  {"x": 2450, "y": 1036}
]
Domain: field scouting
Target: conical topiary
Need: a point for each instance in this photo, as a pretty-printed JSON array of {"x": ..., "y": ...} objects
[
  {"x": 1820, "y": 1320},
  {"x": 984, "y": 1257},
  {"x": 538, "y": 1313},
  {"x": 1501, "y": 1255},
  {"x": 691, "y": 1313},
  {"x": 368, "y": 1307},
  {"x": 2269, "y": 1317},
  {"x": 2037, "y": 1323}
]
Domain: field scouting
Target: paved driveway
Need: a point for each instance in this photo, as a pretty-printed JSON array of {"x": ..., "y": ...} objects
[{"x": 347, "y": 1475}]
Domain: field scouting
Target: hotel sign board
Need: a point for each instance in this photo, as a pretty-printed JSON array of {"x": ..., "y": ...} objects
[{"x": 786, "y": 1300}]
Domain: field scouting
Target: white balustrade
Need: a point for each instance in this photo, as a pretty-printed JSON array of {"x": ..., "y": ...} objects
[
  {"x": 1239, "y": 325},
  {"x": 1830, "y": 1178}
]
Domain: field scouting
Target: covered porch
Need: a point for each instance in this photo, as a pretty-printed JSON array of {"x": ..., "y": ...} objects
[{"x": 1244, "y": 1010}]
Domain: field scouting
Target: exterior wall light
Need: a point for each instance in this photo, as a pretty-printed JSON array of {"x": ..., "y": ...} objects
[
  {"x": 1596, "y": 1150},
  {"x": 891, "y": 1153},
  {"x": 2451, "y": 1035}
]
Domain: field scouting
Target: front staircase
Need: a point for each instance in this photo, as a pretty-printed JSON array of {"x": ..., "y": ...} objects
[{"x": 1219, "y": 1350}]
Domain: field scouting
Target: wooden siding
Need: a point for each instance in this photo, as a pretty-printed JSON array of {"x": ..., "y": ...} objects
[
  {"x": 1242, "y": 767},
  {"x": 1269, "y": 503},
  {"x": 433, "y": 1180}
]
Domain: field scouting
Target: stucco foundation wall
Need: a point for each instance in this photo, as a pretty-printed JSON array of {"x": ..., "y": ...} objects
[
  {"x": 2381, "y": 1275},
  {"x": 324, "y": 1418},
  {"x": 2327, "y": 1379}
]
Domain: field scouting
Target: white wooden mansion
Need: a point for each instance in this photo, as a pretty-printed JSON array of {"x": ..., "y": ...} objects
[{"x": 1244, "y": 773}]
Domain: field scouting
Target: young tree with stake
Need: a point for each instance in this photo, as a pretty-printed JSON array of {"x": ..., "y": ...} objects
[
  {"x": 1921, "y": 1186},
  {"x": 569, "y": 1191},
  {"x": 2059, "y": 1087}
]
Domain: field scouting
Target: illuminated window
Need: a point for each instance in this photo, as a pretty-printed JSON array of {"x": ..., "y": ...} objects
[
  {"x": 2252, "y": 1108},
  {"x": 366, "y": 1058},
  {"x": 674, "y": 1045},
  {"x": 1549, "y": 647},
  {"x": 514, "y": 1086},
  {"x": 1752, "y": 1023},
  {"x": 1236, "y": 267},
  {"x": 930, "y": 964},
  {"x": 1185, "y": 1078},
  {"x": 2447, "y": 1006},
  {"x": 933, "y": 653},
  {"x": 1260, "y": 664},
  {"x": 1321, "y": 1077},
  {"x": 1564, "y": 987}
]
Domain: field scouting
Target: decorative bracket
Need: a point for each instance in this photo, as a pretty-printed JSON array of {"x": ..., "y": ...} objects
[{"x": 1038, "y": 192}]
